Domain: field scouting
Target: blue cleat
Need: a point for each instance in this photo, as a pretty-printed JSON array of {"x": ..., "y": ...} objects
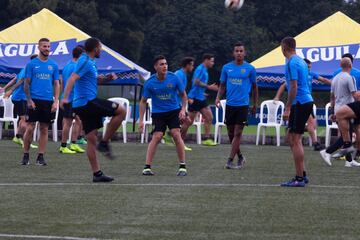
[
  {"x": 306, "y": 179},
  {"x": 293, "y": 183}
]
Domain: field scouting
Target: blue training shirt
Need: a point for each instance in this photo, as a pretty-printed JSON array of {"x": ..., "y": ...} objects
[
  {"x": 42, "y": 74},
  {"x": 197, "y": 92},
  {"x": 85, "y": 88},
  {"x": 354, "y": 72},
  {"x": 182, "y": 76},
  {"x": 164, "y": 93},
  {"x": 18, "y": 93},
  {"x": 66, "y": 73},
  {"x": 296, "y": 69},
  {"x": 311, "y": 76},
  {"x": 238, "y": 80}
]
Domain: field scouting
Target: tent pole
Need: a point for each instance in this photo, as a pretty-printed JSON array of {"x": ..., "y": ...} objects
[{"x": 134, "y": 108}]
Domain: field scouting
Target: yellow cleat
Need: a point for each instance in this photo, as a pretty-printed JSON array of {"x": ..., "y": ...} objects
[
  {"x": 208, "y": 142},
  {"x": 187, "y": 148},
  {"x": 76, "y": 148},
  {"x": 18, "y": 141},
  {"x": 66, "y": 150},
  {"x": 33, "y": 146}
]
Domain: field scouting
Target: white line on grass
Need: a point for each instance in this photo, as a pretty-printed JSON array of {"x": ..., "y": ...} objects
[
  {"x": 44, "y": 237},
  {"x": 166, "y": 185}
]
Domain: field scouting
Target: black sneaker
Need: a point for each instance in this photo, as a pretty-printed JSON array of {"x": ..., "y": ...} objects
[
  {"x": 40, "y": 161},
  {"x": 241, "y": 161},
  {"x": 318, "y": 147},
  {"x": 105, "y": 149},
  {"x": 147, "y": 172},
  {"x": 25, "y": 160},
  {"x": 229, "y": 165},
  {"x": 102, "y": 178}
]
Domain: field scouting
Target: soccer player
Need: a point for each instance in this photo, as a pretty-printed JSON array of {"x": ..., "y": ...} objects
[
  {"x": 197, "y": 98},
  {"x": 19, "y": 100},
  {"x": 42, "y": 89},
  {"x": 237, "y": 79},
  {"x": 163, "y": 88},
  {"x": 298, "y": 107},
  {"x": 343, "y": 91},
  {"x": 187, "y": 66},
  {"x": 311, "y": 122},
  {"x": 68, "y": 113},
  {"x": 356, "y": 74},
  {"x": 91, "y": 109}
]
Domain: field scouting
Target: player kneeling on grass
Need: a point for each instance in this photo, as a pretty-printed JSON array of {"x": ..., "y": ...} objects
[
  {"x": 91, "y": 109},
  {"x": 163, "y": 88}
]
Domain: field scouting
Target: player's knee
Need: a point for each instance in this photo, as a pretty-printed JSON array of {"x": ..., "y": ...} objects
[
  {"x": 120, "y": 111},
  {"x": 157, "y": 137}
]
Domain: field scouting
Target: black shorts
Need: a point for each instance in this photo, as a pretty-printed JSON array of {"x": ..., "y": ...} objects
[
  {"x": 236, "y": 115},
  {"x": 166, "y": 119},
  {"x": 42, "y": 112},
  {"x": 93, "y": 112},
  {"x": 19, "y": 108},
  {"x": 197, "y": 105},
  {"x": 299, "y": 114},
  {"x": 355, "y": 106},
  {"x": 68, "y": 111}
]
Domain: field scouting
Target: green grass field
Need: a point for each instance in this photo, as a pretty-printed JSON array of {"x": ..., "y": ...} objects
[{"x": 210, "y": 203}]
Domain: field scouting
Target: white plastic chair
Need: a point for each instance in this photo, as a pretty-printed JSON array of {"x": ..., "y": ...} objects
[
  {"x": 125, "y": 103},
  {"x": 54, "y": 127},
  {"x": 314, "y": 111},
  {"x": 272, "y": 119},
  {"x": 219, "y": 124},
  {"x": 147, "y": 122},
  {"x": 329, "y": 125},
  {"x": 8, "y": 114},
  {"x": 197, "y": 123}
]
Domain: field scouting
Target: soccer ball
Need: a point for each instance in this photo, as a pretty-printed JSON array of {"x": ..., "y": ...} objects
[{"x": 234, "y": 5}]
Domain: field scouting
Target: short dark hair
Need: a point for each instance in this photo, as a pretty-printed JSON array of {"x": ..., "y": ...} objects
[
  {"x": 91, "y": 44},
  {"x": 43, "y": 40},
  {"x": 348, "y": 55},
  {"x": 307, "y": 61},
  {"x": 33, "y": 56},
  {"x": 186, "y": 60},
  {"x": 239, "y": 44},
  {"x": 77, "y": 51},
  {"x": 207, "y": 56},
  {"x": 289, "y": 43},
  {"x": 157, "y": 58}
]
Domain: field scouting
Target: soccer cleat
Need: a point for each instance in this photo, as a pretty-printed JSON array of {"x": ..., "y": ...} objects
[
  {"x": 66, "y": 150},
  {"x": 25, "y": 160},
  {"x": 187, "y": 148},
  {"x": 208, "y": 142},
  {"x": 317, "y": 147},
  {"x": 241, "y": 162},
  {"x": 168, "y": 140},
  {"x": 147, "y": 172},
  {"x": 81, "y": 141},
  {"x": 353, "y": 163},
  {"x": 33, "y": 146},
  {"x": 18, "y": 141},
  {"x": 293, "y": 183},
  {"x": 306, "y": 179},
  {"x": 326, "y": 157},
  {"x": 105, "y": 149},
  {"x": 343, "y": 151},
  {"x": 182, "y": 172},
  {"x": 230, "y": 165},
  {"x": 102, "y": 178},
  {"x": 40, "y": 161},
  {"x": 76, "y": 148}
]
